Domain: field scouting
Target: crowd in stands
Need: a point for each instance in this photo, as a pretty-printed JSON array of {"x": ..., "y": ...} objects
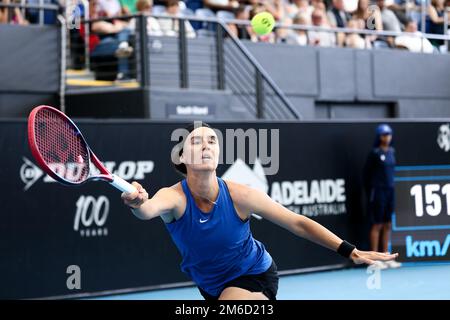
[
  {"x": 388, "y": 15},
  {"x": 382, "y": 15},
  {"x": 112, "y": 37},
  {"x": 22, "y": 16}
]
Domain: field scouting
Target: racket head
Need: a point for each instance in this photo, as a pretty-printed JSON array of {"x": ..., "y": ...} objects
[{"x": 59, "y": 147}]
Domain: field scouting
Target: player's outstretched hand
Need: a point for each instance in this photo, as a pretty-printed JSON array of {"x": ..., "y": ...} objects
[
  {"x": 370, "y": 257},
  {"x": 137, "y": 198}
]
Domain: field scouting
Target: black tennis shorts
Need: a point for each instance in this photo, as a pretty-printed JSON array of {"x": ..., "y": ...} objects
[{"x": 266, "y": 282}]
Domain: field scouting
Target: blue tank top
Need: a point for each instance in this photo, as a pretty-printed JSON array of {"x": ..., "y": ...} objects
[{"x": 218, "y": 246}]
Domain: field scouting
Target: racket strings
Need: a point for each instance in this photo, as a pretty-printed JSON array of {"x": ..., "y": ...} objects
[{"x": 61, "y": 146}]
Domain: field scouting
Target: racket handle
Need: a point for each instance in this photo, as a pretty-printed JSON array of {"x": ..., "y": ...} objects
[{"x": 122, "y": 185}]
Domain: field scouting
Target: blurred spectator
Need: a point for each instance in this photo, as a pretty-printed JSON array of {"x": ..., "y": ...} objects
[
  {"x": 275, "y": 7},
  {"x": 447, "y": 7},
  {"x": 405, "y": 10},
  {"x": 12, "y": 16},
  {"x": 398, "y": 10},
  {"x": 338, "y": 17},
  {"x": 390, "y": 21},
  {"x": 281, "y": 34},
  {"x": 355, "y": 40},
  {"x": 4, "y": 17},
  {"x": 299, "y": 6},
  {"x": 435, "y": 20},
  {"x": 129, "y": 6},
  {"x": 153, "y": 27},
  {"x": 113, "y": 36},
  {"x": 109, "y": 8},
  {"x": 321, "y": 38},
  {"x": 216, "y": 5},
  {"x": 298, "y": 37},
  {"x": 170, "y": 27},
  {"x": 371, "y": 17},
  {"x": 241, "y": 31},
  {"x": 413, "y": 43},
  {"x": 318, "y": 4},
  {"x": 350, "y": 5}
]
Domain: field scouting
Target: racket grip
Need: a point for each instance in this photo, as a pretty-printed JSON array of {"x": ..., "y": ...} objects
[{"x": 122, "y": 185}]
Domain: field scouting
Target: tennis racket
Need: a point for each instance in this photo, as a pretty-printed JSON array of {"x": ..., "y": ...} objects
[{"x": 61, "y": 151}]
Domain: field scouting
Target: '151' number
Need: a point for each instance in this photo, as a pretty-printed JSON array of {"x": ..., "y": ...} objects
[{"x": 433, "y": 198}]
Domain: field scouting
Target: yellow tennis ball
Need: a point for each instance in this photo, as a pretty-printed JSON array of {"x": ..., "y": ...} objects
[{"x": 263, "y": 23}]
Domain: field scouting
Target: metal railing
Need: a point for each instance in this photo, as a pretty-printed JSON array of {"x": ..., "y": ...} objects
[
  {"x": 91, "y": 62},
  {"x": 279, "y": 107},
  {"x": 85, "y": 18},
  {"x": 233, "y": 71},
  {"x": 444, "y": 37},
  {"x": 446, "y": 14},
  {"x": 269, "y": 103},
  {"x": 62, "y": 24},
  {"x": 41, "y": 7}
]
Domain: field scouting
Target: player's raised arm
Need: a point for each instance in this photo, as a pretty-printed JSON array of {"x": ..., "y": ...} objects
[
  {"x": 259, "y": 202},
  {"x": 144, "y": 208}
]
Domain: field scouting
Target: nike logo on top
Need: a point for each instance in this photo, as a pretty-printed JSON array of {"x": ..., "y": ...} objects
[{"x": 203, "y": 221}]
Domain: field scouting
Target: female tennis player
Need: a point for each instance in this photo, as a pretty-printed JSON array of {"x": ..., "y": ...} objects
[{"x": 208, "y": 220}]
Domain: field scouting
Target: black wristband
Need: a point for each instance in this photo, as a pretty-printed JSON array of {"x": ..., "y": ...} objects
[{"x": 345, "y": 249}]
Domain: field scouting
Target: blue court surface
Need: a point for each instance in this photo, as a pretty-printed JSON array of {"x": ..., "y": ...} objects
[{"x": 410, "y": 282}]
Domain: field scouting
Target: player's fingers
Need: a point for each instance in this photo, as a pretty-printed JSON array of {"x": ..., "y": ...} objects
[
  {"x": 135, "y": 201},
  {"x": 387, "y": 256},
  {"x": 364, "y": 260},
  {"x": 140, "y": 199},
  {"x": 142, "y": 190},
  {"x": 367, "y": 259},
  {"x": 129, "y": 195},
  {"x": 136, "y": 198},
  {"x": 137, "y": 185}
]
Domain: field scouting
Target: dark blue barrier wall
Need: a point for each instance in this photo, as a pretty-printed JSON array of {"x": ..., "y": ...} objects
[
  {"x": 47, "y": 227},
  {"x": 417, "y": 83},
  {"x": 30, "y": 67}
]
